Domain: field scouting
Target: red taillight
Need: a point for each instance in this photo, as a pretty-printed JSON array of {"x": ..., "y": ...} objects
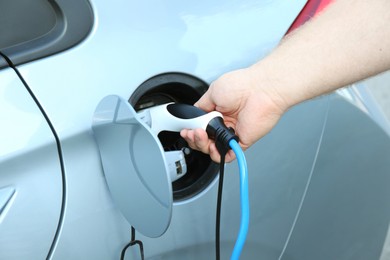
[{"x": 311, "y": 8}]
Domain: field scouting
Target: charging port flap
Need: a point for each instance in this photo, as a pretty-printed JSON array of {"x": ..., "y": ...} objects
[{"x": 134, "y": 165}]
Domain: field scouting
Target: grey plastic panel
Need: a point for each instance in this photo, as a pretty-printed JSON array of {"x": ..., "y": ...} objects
[
  {"x": 30, "y": 175},
  {"x": 35, "y": 29},
  {"x": 346, "y": 212},
  {"x": 134, "y": 166}
]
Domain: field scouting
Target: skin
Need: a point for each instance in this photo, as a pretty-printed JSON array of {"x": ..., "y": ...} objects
[{"x": 349, "y": 41}]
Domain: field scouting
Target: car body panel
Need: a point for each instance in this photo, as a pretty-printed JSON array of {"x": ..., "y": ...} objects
[
  {"x": 30, "y": 174},
  {"x": 146, "y": 39},
  {"x": 137, "y": 41},
  {"x": 346, "y": 206},
  {"x": 132, "y": 42}
]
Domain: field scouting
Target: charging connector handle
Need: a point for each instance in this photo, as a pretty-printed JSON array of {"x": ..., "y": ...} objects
[{"x": 175, "y": 117}]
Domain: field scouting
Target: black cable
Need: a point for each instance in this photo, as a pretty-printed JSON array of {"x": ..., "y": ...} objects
[
  {"x": 222, "y": 136},
  {"x": 132, "y": 242},
  {"x": 219, "y": 204},
  {"x": 59, "y": 152}
]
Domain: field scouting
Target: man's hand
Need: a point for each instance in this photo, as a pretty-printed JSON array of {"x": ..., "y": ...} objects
[{"x": 251, "y": 110}]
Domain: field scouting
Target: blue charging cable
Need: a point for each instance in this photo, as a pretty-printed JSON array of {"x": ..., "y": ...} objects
[{"x": 244, "y": 198}]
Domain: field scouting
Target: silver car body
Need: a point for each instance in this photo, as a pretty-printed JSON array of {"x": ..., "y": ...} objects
[{"x": 318, "y": 182}]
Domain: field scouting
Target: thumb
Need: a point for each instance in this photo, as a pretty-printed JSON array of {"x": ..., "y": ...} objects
[{"x": 205, "y": 102}]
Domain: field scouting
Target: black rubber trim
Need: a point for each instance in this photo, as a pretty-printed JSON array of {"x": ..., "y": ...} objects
[
  {"x": 172, "y": 84},
  {"x": 74, "y": 21},
  {"x": 3, "y": 60},
  {"x": 59, "y": 149}
]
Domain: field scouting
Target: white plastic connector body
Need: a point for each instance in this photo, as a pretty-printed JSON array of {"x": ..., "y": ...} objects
[{"x": 160, "y": 119}]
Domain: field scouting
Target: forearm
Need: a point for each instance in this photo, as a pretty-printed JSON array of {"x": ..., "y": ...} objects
[{"x": 348, "y": 42}]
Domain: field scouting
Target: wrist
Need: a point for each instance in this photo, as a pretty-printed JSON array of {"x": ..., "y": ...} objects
[{"x": 268, "y": 83}]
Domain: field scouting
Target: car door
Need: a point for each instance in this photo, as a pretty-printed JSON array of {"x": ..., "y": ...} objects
[{"x": 31, "y": 184}]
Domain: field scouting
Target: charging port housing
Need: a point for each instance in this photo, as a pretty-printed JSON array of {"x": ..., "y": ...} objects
[{"x": 178, "y": 88}]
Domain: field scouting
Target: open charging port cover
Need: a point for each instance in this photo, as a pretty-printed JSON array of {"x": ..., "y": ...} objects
[{"x": 134, "y": 166}]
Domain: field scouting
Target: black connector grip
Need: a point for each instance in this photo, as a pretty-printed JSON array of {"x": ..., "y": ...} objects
[
  {"x": 221, "y": 134},
  {"x": 185, "y": 111}
]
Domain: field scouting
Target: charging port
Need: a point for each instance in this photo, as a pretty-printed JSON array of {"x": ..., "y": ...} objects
[{"x": 178, "y": 88}]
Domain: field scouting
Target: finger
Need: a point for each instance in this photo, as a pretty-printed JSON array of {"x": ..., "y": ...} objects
[
  {"x": 214, "y": 154},
  {"x": 197, "y": 139},
  {"x": 202, "y": 141},
  {"x": 183, "y": 133},
  {"x": 230, "y": 156},
  {"x": 188, "y": 135},
  {"x": 205, "y": 102},
  {"x": 216, "y": 157}
]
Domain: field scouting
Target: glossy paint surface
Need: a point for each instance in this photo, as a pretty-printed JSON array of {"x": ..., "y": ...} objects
[
  {"x": 313, "y": 179},
  {"x": 130, "y": 43},
  {"x": 30, "y": 174}
]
